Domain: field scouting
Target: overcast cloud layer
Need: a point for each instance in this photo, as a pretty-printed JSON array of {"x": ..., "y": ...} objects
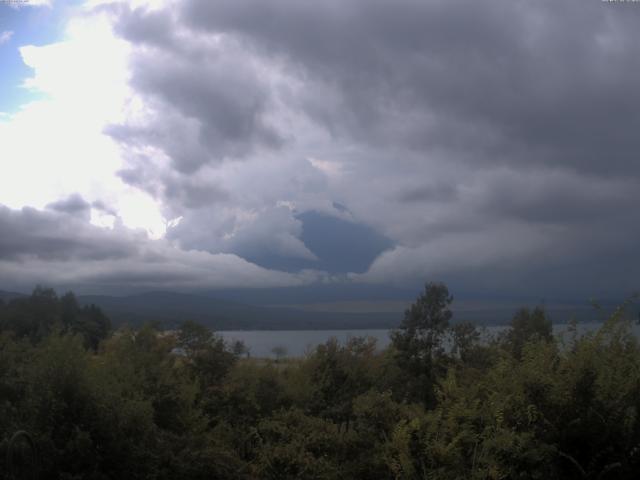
[{"x": 490, "y": 144}]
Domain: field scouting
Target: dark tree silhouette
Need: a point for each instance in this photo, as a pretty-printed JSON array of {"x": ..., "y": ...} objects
[{"x": 418, "y": 340}]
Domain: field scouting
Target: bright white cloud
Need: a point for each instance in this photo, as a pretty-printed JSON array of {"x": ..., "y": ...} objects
[{"x": 56, "y": 146}]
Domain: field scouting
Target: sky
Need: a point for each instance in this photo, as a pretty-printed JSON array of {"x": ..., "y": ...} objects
[{"x": 206, "y": 144}]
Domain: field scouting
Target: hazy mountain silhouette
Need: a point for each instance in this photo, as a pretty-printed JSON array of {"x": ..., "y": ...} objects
[
  {"x": 6, "y": 296},
  {"x": 172, "y": 308}
]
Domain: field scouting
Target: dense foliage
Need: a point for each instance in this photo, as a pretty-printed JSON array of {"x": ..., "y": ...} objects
[{"x": 439, "y": 403}]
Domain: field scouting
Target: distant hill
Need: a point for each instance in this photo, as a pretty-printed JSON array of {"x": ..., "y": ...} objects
[
  {"x": 330, "y": 292},
  {"x": 235, "y": 313},
  {"x": 170, "y": 309},
  {"x": 6, "y": 296}
]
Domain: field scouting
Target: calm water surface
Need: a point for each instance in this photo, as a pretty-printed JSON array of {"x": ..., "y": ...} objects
[{"x": 298, "y": 342}]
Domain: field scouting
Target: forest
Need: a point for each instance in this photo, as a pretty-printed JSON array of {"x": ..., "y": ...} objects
[{"x": 441, "y": 402}]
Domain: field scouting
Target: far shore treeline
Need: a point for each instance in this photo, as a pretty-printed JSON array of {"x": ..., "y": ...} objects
[{"x": 142, "y": 403}]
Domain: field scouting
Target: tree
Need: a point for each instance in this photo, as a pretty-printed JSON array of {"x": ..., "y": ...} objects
[
  {"x": 42, "y": 313},
  {"x": 465, "y": 337},
  {"x": 418, "y": 341},
  {"x": 208, "y": 356},
  {"x": 338, "y": 374},
  {"x": 528, "y": 326},
  {"x": 33, "y": 317},
  {"x": 239, "y": 348},
  {"x": 279, "y": 351},
  {"x": 93, "y": 325},
  {"x": 193, "y": 337}
]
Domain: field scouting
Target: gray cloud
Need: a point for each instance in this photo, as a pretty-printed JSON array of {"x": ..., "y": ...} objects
[
  {"x": 66, "y": 251},
  {"x": 428, "y": 193},
  {"x": 501, "y": 79},
  {"x": 205, "y": 102},
  {"x": 193, "y": 194},
  {"x": 269, "y": 232},
  {"x": 221, "y": 97},
  {"x": 478, "y": 137},
  {"x": 558, "y": 197},
  {"x": 73, "y": 205},
  {"x": 31, "y": 233},
  {"x": 141, "y": 26}
]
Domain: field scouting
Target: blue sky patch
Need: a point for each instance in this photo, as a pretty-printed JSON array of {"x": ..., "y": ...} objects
[{"x": 38, "y": 26}]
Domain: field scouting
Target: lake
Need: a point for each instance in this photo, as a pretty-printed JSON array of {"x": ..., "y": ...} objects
[{"x": 298, "y": 342}]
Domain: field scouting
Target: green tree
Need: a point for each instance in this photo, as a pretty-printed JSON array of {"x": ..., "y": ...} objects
[
  {"x": 37, "y": 316},
  {"x": 337, "y": 374},
  {"x": 526, "y": 326},
  {"x": 465, "y": 338},
  {"x": 208, "y": 361},
  {"x": 297, "y": 446},
  {"x": 418, "y": 340}
]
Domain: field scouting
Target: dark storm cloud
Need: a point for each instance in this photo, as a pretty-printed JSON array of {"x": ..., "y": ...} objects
[
  {"x": 428, "y": 193},
  {"x": 223, "y": 97},
  {"x": 31, "y": 233},
  {"x": 543, "y": 81},
  {"x": 560, "y": 198},
  {"x": 475, "y": 136},
  {"x": 139, "y": 25},
  {"x": 206, "y": 105},
  {"x": 183, "y": 191},
  {"x": 66, "y": 251},
  {"x": 193, "y": 194}
]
